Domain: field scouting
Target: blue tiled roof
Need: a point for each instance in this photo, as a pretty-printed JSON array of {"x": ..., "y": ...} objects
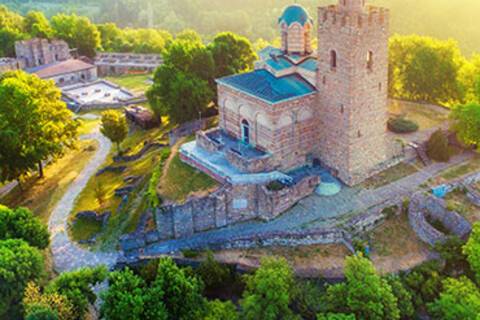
[
  {"x": 295, "y": 13},
  {"x": 269, "y": 51},
  {"x": 310, "y": 64},
  {"x": 264, "y": 85},
  {"x": 279, "y": 63}
]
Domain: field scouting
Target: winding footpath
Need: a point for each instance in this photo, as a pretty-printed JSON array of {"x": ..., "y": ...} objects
[{"x": 67, "y": 255}]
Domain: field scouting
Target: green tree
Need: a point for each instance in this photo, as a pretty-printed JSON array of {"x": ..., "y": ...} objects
[
  {"x": 437, "y": 146},
  {"x": 308, "y": 298},
  {"x": 21, "y": 224},
  {"x": 451, "y": 251},
  {"x": 212, "y": 273},
  {"x": 364, "y": 293},
  {"x": 404, "y": 297},
  {"x": 335, "y": 316},
  {"x": 191, "y": 57},
  {"x": 267, "y": 294},
  {"x": 114, "y": 127},
  {"x": 76, "y": 286},
  {"x": 78, "y": 32},
  {"x": 19, "y": 264},
  {"x": 42, "y": 129},
  {"x": 180, "y": 96},
  {"x": 11, "y": 30},
  {"x": 39, "y": 312},
  {"x": 37, "y": 25},
  {"x": 124, "y": 296},
  {"x": 460, "y": 299},
  {"x": 466, "y": 123},
  {"x": 425, "y": 69},
  {"x": 424, "y": 282},
  {"x": 34, "y": 298},
  {"x": 218, "y": 310},
  {"x": 472, "y": 250},
  {"x": 111, "y": 37},
  {"x": 181, "y": 293},
  {"x": 189, "y": 35},
  {"x": 232, "y": 54}
]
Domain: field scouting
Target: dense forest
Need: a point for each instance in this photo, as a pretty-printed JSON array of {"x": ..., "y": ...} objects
[{"x": 256, "y": 19}]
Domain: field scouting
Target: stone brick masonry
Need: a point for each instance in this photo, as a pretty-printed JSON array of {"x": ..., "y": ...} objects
[{"x": 229, "y": 205}]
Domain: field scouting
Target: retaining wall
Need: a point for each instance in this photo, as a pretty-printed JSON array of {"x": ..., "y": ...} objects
[{"x": 229, "y": 205}]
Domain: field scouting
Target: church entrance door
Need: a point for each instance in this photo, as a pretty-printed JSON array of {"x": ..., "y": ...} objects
[{"x": 245, "y": 132}]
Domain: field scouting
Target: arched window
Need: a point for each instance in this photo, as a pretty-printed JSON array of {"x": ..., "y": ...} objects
[
  {"x": 333, "y": 59},
  {"x": 370, "y": 60},
  {"x": 245, "y": 132}
]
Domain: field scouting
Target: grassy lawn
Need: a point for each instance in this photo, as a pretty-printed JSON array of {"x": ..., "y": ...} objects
[
  {"x": 137, "y": 83},
  {"x": 457, "y": 201},
  {"x": 307, "y": 261},
  {"x": 42, "y": 195},
  {"x": 461, "y": 169},
  {"x": 181, "y": 180},
  {"x": 425, "y": 116},
  {"x": 99, "y": 194},
  {"x": 85, "y": 229},
  {"x": 390, "y": 175},
  {"x": 87, "y": 125},
  {"x": 395, "y": 246}
]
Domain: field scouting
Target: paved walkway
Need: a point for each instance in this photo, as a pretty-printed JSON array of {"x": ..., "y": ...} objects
[
  {"x": 312, "y": 212},
  {"x": 67, "y": 255}
]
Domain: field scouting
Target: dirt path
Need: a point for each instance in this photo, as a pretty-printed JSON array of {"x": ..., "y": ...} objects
[{"x": 67, "y": 255}]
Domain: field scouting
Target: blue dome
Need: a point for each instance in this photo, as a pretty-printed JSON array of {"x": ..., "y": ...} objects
[{"x": 295, "y": 13}]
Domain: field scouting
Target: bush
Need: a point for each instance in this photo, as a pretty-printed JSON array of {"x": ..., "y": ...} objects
[
  {"x": 401, "y": 125},
  {"x": 213, "y": 273},
  {"x": 275, "y": 186},
  {"x": 390, "y": 212},
  {"x": 437, "y": 147}
]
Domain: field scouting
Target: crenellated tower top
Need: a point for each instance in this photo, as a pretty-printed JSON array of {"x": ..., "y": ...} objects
[{"x": 351, "y": 5}]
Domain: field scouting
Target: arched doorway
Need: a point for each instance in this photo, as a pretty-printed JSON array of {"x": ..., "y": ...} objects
[{"x": 245, "y": 132}]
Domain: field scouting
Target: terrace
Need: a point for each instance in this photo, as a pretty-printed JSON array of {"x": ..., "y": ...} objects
[
  {"x": 96, "y": 94},
  {"x": 230, "y": 160}
]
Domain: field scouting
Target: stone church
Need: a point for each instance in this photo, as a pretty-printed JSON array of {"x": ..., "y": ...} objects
[{"x": 302, "y": 107}]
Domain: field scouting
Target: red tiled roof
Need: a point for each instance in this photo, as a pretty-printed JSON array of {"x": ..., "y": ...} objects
[{"x": 59, "y": 68}]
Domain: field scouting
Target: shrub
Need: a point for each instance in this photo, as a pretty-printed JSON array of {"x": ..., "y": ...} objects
[
  {"x": 275, "y": 186},
  {"x": 213, "y": 273},
  {"x": 401, "y": 125},
  {"x": 390, "y": 212},
  {"x": 190, "y": 253},
  {"x": 437, "y": 147}
]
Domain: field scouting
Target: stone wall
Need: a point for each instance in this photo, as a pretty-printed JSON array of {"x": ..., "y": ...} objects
[
  {"x": 423, "y": 205},
  {"x": 37, "y": 52},
  {"x": 229, "y": 205},
  {"x": 134, "y": 245}
]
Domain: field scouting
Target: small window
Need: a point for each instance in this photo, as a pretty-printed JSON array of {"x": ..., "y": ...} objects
[
  {"x": 342, "y": 109},
  {"x": 370, "y": 60},
  {"x": 359, "y": 134},
  {"x": 379, "y": 86},
  {"x": 333, "y": 59},
  {"x": 324, "y": 80}
]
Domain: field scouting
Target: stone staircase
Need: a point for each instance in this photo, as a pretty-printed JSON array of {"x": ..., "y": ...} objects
[{"x": 421, "y": 152}]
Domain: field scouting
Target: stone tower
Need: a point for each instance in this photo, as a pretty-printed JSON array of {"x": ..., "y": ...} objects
[
  {"x": 296, "y": 26},
  {"x": 352, "y": 83}
]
